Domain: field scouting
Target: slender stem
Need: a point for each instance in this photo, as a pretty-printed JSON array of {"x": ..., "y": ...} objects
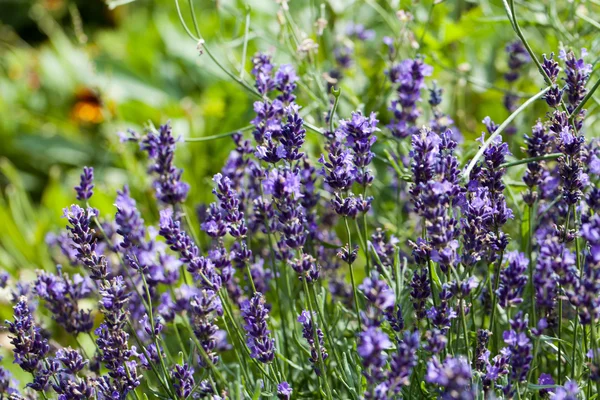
[
  {"x": 354, "y": 290},
  {"x": 316, "y": 339},
  {"x": 495, "y": 297},
  {"x": 594, "y": 346},
  {"x": 560, "y": 314},
  {"x": 336, "y": 98},
  {"x": 530, "y": 254},
  {"x": 552, "y": 156},
  {"x": 501, "y": 129},
  {"x": 245, "y": 47},
  {"x": 463, "y": 321},
  {"x": 219, "y": 136}
]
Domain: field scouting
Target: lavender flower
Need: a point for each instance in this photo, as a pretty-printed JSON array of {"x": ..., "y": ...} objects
[
  {"x": 308, "y": 332},
  {"x": 453, "y": 377},
  {"x": 359, "y": 132},
  {"x": 284, "y": 391},
  {"x": 410, "y": 76},
  {"x": 518, "y": 351},
  {"x": 554, "y": 96},
  {"x": 262, "y": 71},
  {"x": 84, "y": 242},
  {"x": 569, "y": 391},
  {"x": 29, "y": 345},
  {"x": 512, "y": 280},
  {"x": 160, "y": 147},
  {"x": 183, "y": 376},
  {"x": 189, "y": 253},
  {"x": 61, "y": 295},
  {"x": 577, "y": 74},
  {"x": 72, "y": 360},
  {"x": 420, "y": 292},
  {"x": 229, "y": 204},
  {"x": 537, "y": 146},
  {"x": 86, "y": 185},
  {"x": 130, "y": 224},
  {"x": 403, "y": 361},
  {"x": 205, "y": 307},
  {"x": 338, "y": 168},
  {"x": 372, "y": 346},
  {"x": 256, "y": 314}
]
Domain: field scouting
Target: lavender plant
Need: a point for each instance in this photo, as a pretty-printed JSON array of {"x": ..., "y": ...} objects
[{"x": 302, "y": 283}]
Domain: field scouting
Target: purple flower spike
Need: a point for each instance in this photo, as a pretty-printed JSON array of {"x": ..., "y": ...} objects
[
  {"x": 256, "y": 314},
  {"x": 372, "y": 346},
  {"x": 29, "y": 345},
  {"x": 513, "y": 280},
  {"x": 453, "y": 377},
  {"x": 86, "y": 185},
  {"x": 410, "y": 77},
  {"x": 308, "y": 332},
  {"x": 160, "y": 147},
  {"x": 284, "y": 391},
  {"x": 183, "y": 376}
]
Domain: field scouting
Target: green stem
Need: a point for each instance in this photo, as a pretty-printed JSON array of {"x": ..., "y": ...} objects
[
  {"x": 552, "y": 156},
  {"x": 501, "y": 129},
  {"x": 354, "y": 290},
  {"x": 495, "y": 297},
  {"x": 594, "y": 346},
  {"x": 463, "y": 321},
  {"x": 219, "y": 136},
  {"x": 316, "y": 339}
]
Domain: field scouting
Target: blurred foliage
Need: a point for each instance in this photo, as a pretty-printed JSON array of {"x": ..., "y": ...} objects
[{"x": 74, "y": 73}]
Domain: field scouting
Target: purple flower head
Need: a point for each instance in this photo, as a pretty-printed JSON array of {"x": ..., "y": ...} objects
[
  {"x": 61, "y": 296},
  {"x": 130, "y": 224},
  {"x": 229, "y": 203},
  {"x": 403, "y": 361},
  {"x": 205, "y": 307},
  {"x": 183, "y": 380},
  {"x": 86, "y": 185},
  {"x": 569, "y": 391},
  {"x": 283, "y": 184},
  {"x": 307, "y": 268},
  {"x": 29, "y": 345},
  {"x": 338, "y": 168},
  {"x": 372, "y": 347},
  {"x": 256, "y": 314},
  {"x": 284, "y": 391},
  {"x": 518, "y": 350},
  {"x": 263, "y": 73},
  {"x": 285, "y": 82},
  {"x": 544, "y": 380},
  {"x": 577, "y": 74},
  {"x": 189, "y": 253},
  {"x": 309, "y": 333},
  {"x": 72, "y": 360},
  {"x": 360, "y": 136},
  {"x": 513, "y": 279},
  {"x": 538, "y": 144},
  {"x": 83, "y": 240},
  {"x": 420, "y": 292},
  {"x": 292, "y": 136},
  {"x": 453, "y": 377},
  {"x": 410, "y": 76},
  {"x": 359, "y": 32},
  {"x": 517, "y": 57},
  {"x": 590, "y": 231},
  {"x": 378, "y": 293},
  {"x": 160, "y": 147}
]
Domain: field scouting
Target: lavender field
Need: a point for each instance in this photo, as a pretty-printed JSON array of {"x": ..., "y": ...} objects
[{"x": 286, "y": 199}]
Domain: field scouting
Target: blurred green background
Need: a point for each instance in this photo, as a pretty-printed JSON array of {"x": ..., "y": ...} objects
[{"x": 75, "y": 73}]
